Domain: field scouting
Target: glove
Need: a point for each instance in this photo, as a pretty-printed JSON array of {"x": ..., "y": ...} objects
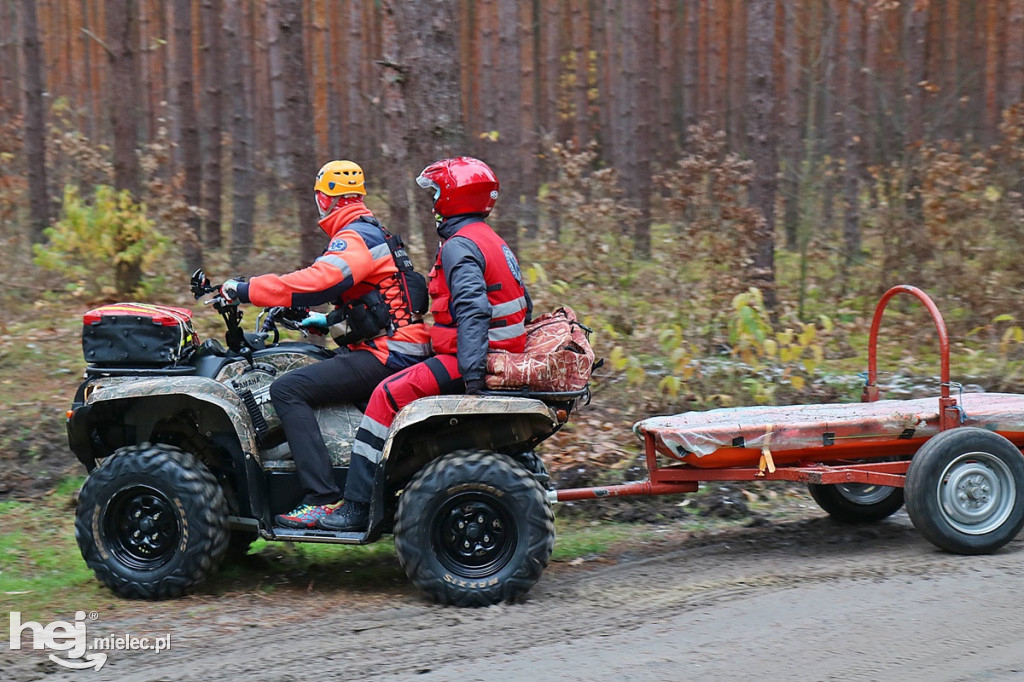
[
  {"x": 229, "y": 290},
  {"x": 475, "y": 386},
  {"x": 314, "y": 320}
]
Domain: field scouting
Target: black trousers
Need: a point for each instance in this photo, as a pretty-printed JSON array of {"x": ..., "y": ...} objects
[{"x": 349, "y": 377}]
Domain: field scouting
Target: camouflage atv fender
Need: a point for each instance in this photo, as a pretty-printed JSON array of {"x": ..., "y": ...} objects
[
  {"x": 201, "y": 389},
  {"x": 540, "y": 417}
]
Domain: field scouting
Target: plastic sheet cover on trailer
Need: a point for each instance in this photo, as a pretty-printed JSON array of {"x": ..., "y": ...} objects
[{"x": 814, "y": 427}]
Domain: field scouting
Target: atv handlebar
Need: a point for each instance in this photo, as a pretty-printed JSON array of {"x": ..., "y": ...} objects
[{"x": 235, "y": 337}]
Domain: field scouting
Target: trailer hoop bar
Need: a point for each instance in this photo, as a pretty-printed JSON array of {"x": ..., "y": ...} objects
[{"x": 949, "y": 414}]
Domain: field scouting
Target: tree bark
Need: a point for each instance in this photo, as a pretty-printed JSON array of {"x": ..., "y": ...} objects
[
  {"x": 761, "y": 143},
  {"x": 505, "y": 159},
  {"x": 851, "y": 108},
  {"x": 189, "y": 127},
  {"x": 1015, "y": 53},
  {"x": 35, "y": 123},
  {"x": 10, "y": 64},
  {"x": 691, "y": 70},
  {"x": 793, "y": 107},
  {"x": 275, "y": 61},
  {"x": 424, "y": 110},
  {"x": 581, "y": 46},
  {"x": 916, "y": 20},
  {"x": 212, "y": 111},
  {"x": 637, "y": 143},
  {"x": 300, "y": 119},
  {"x": 242, "y": 135}
]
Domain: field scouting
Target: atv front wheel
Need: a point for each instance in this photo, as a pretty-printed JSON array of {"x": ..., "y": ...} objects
[
  {"x": 474, "y": 529},
  {"x": 151, "y": 522}
]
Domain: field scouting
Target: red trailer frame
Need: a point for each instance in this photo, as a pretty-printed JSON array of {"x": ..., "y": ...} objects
[{"x": 683, "y": 478}]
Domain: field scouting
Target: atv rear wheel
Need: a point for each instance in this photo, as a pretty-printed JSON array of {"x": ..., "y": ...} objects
[
  {"x": 474, "y": 529},
  {"x": 151, "y": 522}
]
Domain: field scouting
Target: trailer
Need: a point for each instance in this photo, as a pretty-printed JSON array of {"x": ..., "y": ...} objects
[{"x": 955, "y": 461}]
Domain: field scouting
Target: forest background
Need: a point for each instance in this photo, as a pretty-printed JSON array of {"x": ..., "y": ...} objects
[{"x": 721, "y": 188}]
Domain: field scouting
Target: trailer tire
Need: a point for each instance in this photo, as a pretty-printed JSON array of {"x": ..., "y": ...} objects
[
  {"x": 151, "y": 522},
  {"x": 965, "y": 490},
  {"x": 474, "y": 528},
  {"x": 857, "y": 502}
]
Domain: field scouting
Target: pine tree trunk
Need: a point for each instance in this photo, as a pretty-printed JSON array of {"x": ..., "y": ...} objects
[
  {"x": 10, "y": 64},
  {"x": 192, "y": 247},
  {"x": 1015, "y": 53},
  {"x": 851, "y": 108},
  {"x": 243, "y": 196},
  {"x": 35, "y": 123},
  {"x": 761, "y": 143},
  {"x": 691, "y": 69},
  {"x": 123, "y": 100},
  {"x": 581, "y": 46},
  {"x": 505, "y": 159},
  {"x": 793, "y": 106},
  {"x": 279, "y": 153},
  {"x": 529, "y": 112},
  {"x": 424, "y": 105},
  {"x": 303, "y": 165},
  {"x": 914, "y": 41},
  {"x": 211, "y": 13}
]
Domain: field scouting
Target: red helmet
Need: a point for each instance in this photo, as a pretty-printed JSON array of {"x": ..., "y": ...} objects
[{"x": 461, "y": 185}]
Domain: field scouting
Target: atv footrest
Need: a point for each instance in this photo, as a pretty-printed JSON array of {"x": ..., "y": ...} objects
[{"x": 317, "y": 535}]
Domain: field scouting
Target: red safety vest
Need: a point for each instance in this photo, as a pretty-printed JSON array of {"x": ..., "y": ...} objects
[{"x": 507, "y": 298}]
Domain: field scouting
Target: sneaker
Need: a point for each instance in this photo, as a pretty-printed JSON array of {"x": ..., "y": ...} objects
[
  {"x": 351, "y": 516},
  {"x": 305, "y": 515}
]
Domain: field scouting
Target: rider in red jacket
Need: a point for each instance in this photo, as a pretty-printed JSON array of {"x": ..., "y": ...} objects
[
  {"x": 479, "y": 303},
  {"x": 383, "y": 331}
]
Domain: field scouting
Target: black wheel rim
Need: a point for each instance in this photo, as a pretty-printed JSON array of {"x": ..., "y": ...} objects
[
  {"x": 142, "y": 528},
  {"x": 474, "y": 535}
]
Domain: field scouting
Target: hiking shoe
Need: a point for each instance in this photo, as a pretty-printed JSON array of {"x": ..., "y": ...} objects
[
  {"x": 351, "y": 516},
  {"x": 305, "y": 515}
]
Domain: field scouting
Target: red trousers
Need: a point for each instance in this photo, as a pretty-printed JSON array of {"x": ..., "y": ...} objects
[{"x": 438, "y": 375}]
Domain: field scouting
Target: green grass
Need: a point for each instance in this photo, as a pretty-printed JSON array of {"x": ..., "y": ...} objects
[{"x": 41, "y": 570}]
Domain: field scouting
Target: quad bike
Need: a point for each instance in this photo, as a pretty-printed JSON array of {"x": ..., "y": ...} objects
[{"x": 188, "y": 464}]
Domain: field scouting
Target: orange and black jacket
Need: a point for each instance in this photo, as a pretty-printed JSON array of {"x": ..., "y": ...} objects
[{"x": 357, "y": 260}]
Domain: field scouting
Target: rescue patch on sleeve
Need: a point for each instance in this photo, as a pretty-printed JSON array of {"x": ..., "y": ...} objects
[{"x": 337, "y": 245}]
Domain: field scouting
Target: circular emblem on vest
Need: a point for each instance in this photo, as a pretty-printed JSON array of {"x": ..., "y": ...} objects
[
  {"x": 513, "y": 264},
  {"x": 338, "y": 245}
]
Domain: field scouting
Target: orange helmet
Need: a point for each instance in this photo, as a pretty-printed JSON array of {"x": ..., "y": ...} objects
[{"x": 334, "y": 180}]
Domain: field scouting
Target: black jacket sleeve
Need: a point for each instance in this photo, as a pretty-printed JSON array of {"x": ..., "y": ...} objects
[{"x": 463, "y": 264}]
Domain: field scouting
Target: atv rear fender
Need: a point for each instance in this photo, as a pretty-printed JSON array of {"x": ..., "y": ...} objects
[{"x": 430, "y": 427}]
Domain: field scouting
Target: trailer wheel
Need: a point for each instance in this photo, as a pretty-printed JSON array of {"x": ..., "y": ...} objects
[
  {"x": 474, "y": 529},
  {"x": 857, "y": 502},
  {"x": 965, "y": 490},
  {"x": 151, "y": 522}
]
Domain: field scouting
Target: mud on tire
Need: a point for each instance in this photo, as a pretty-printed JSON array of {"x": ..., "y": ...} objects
[
  {"x": 151, "y": 522},
  {"x": 474, "y": 529}
]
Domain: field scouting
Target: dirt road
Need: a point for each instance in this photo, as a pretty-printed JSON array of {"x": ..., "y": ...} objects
[{"x": 805, "y": 600}]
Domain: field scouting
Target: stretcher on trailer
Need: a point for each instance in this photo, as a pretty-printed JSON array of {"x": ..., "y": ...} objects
[{"x": 955, "y": 461}]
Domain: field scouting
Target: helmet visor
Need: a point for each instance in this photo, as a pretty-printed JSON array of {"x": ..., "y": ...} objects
[{"x": 427, "y": 183}]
